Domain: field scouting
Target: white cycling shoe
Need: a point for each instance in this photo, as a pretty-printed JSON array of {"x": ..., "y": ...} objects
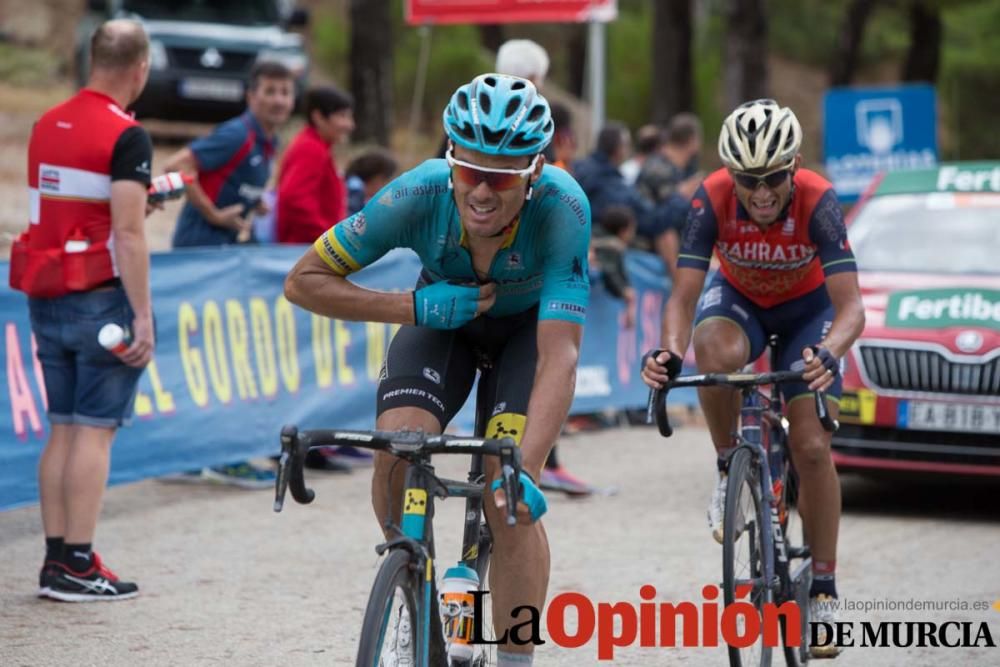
[
  {"x": 823, "y": 609},
  {"x": 717, "y": 507}
]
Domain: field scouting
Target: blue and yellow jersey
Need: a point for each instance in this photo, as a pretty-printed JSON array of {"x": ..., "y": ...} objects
[{"x": 543, "y": 260}]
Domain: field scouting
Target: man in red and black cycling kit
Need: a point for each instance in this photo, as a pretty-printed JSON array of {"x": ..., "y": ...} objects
[{"x": 785, "y": 268}]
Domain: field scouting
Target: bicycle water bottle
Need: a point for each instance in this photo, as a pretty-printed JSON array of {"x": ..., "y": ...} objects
[
  {"x": 776, "y": 461},
  {"x": 114, "y": 338},
  {"x": 168, "y": 186},
  {"x": 457, "y": 602}
]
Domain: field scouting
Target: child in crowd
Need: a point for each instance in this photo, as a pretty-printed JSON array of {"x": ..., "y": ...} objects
[
  {"x": 367, "y": 174},
  {"x": 613, "y": 233}
]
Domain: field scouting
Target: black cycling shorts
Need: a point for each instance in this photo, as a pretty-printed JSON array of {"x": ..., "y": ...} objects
[{"x": 434, "y": 370}]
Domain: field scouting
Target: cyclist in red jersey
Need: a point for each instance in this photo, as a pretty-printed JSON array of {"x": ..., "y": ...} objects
[{"x": 785, "y": 268}]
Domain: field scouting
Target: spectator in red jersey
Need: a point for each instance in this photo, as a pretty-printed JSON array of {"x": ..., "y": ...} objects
[{"x": 312, "y": 196}]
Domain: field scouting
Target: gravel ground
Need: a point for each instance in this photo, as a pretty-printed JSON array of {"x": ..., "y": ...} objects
[{"x": 225, "y": 581}]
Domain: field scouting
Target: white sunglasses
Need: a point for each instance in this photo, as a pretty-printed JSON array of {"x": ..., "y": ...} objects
[{"x": 496, "y": 179}]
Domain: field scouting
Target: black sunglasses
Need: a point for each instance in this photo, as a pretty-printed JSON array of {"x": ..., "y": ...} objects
[{"x": 771, "y": 179}]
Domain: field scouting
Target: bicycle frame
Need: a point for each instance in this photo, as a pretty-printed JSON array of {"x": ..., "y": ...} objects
[
  {"x": 415, "y": 533},
  {"x": 751, "y": 423}
]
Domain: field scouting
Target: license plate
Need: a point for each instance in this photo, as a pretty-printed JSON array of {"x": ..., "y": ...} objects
[
  {"x": 221, "y": 90},
  {"x": 939, "y": 416}
]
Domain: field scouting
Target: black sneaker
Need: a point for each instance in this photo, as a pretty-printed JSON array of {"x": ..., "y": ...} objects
[
  {"x": 45, "y": 577},
  {"x": 96, "y": 584}
]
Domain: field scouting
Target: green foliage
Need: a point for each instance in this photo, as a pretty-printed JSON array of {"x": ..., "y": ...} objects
[
  {"x": 331, "y": 40},
  {"x": 789, "y": 36},
  {"x": 628, "y": 64},
  {"x": 707, "y": 64},
  {"x": 804, "y": 31},
  {"x": 807, "y": 31},
  {"x": 22, "y": 66},
  {"x": 969, "y": 76},
  {"x": 455, "y": 58},
  {"x": 970, "y": 34},
  {"x": 972, "y": 124}
]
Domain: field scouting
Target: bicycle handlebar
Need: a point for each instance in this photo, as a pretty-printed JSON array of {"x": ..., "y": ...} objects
[
  {"x": 408, "y": 445},
  {"x": 657, "y": 406}
]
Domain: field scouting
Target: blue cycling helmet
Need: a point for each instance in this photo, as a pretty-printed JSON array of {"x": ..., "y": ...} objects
[{"x": 498, "y": 114}]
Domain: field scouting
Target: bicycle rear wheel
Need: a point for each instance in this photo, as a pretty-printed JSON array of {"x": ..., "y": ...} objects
[
  {"x": 742, "y": 552},
  {"x": 390, "y": 634}
]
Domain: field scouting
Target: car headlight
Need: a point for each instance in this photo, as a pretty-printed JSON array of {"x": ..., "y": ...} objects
[
  {"x": 294, "y": 61},
  {"x": 157, "y": 55}
]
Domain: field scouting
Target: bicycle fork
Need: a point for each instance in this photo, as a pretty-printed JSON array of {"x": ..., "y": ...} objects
[{"x": 774, "y": 541}]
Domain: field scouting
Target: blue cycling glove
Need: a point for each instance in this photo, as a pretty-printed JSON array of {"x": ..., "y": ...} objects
[
  {"x": 444, "y": 305},
  {"x": 530, "y": 494}
]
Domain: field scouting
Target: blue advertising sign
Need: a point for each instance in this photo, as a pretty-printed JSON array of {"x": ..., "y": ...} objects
[
  {"x": 235, "y": 361},
  {"x": 869, "y": 130}
]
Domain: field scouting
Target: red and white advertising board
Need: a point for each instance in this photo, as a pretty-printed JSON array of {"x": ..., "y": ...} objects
[{"x": 429, "y": 12}]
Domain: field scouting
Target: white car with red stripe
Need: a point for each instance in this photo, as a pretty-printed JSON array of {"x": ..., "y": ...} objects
[{"x": 922, "y": 383}]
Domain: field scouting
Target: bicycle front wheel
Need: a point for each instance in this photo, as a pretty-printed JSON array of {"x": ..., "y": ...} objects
[
  {"x": 743, "y": 556},
  {"x": 389, "y": 635}
]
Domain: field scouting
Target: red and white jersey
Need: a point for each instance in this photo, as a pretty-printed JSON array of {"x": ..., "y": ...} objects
[
  {"x": 790, "y": 258},
  {"x": 73, "y": 156}
]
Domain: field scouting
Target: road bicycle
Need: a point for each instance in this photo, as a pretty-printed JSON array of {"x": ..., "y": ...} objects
[
  {"x": 402, "y": 621},
  {"x": 761, "y": 563}
]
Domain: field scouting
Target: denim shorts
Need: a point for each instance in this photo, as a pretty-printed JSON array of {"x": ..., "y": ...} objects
[{"x": 84, "y": 383}]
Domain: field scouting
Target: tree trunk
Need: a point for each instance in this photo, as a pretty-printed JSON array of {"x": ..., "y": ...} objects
[
  {"x": 925, "y": 42},
  {"x": 491, "y": 36},
  {"x": 848, "y": 47},
  {"x": 673, "y": 89},
  {"x": 371, "y": 70},
  {"x": 746, "y": 51}
]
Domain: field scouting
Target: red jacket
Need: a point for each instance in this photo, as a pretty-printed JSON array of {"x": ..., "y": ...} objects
[{"x": 311, "y": 195}]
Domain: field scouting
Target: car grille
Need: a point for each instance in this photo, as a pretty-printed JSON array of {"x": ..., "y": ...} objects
[
  {"x": 232, "y": 61},
  {"x": 908, "y": 369}
]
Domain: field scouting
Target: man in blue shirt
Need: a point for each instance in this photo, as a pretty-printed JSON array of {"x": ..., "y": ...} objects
[
  {"x": 602, "y": 181},
  {"x": 230, "y": 168},
  {"x": 233, "y": 163}
]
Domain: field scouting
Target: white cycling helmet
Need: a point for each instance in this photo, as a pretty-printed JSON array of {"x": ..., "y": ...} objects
[{"x": 759, "y": 135}]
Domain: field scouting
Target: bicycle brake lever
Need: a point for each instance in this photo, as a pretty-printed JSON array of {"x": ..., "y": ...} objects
[
  {"x": 511, "y": 486},
  {"x": 830, "y": 425},
  {"x": 657, "y": 409},
  {"x": 288, "y": 438}
]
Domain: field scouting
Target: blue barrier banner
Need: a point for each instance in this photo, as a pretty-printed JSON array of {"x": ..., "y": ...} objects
[{"x": 235, "y": 361}]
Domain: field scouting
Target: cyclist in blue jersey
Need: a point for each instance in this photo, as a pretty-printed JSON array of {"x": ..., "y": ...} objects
[{"x": 503, "y": 241}]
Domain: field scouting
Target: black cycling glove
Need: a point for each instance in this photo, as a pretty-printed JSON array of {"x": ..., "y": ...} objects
[
  {"x": 673, "y": 364},
  {"x": 830, "y": 362}
]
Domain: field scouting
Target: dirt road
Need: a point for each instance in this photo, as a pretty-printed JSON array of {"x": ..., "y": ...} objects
[{"x": 225, "y": 581}]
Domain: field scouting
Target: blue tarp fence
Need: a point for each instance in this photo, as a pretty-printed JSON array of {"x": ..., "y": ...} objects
[{"x": 235, "y": 361}]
